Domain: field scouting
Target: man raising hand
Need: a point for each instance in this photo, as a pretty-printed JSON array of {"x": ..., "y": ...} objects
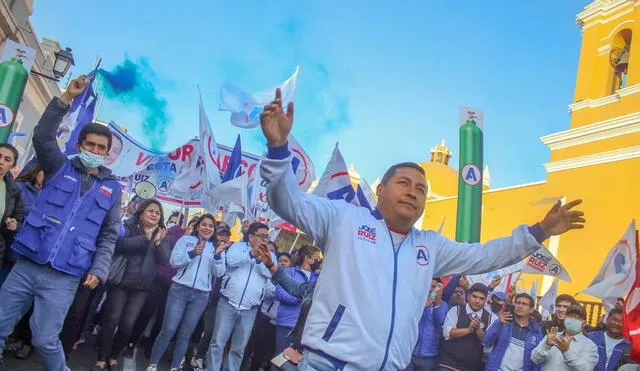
[{"x": 366, "y": 318}]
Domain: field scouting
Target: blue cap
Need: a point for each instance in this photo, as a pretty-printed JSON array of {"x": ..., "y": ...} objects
[{"x": 500, "y": 295}]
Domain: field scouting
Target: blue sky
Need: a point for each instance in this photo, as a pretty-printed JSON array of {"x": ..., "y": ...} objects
[{"x": 385, "y": 79}]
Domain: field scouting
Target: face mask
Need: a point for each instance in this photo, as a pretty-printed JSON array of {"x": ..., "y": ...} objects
[
  {"x": 573, "y": 326},
  {"x": 316, "y": 265},
  {"x": 91, "y": 160}
]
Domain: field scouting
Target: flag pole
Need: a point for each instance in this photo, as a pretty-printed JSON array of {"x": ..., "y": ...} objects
[{"x": 294, "y": 242}]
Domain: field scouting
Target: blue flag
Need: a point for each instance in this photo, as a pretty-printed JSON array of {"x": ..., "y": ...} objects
[
  {"x": 82, "y": 110},
  {"x": 234, "y": 167}
]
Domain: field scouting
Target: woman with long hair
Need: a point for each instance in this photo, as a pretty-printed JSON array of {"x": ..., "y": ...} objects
[
  {"x": 144, "y": 245},
  {"x": 189, "y": 293},
  {"x": 157, "y": 299},
  {"x": 307, "y": 262},
  {"x": 30, "y": 184},
  {"x": 11, "y": 208}
]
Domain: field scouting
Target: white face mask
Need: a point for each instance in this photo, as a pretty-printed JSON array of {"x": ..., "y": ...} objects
[
  {"x": 91, "y": 160},
  {"x": 573, "y": 325}
]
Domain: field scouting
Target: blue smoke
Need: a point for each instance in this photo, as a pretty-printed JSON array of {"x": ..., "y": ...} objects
[{"x": 130, "y": 83}]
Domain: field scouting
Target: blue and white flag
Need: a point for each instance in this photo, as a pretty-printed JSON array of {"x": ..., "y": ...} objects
[
  {"x": 79, "y": 115},
  {"x": 231, "y": 194},
  {"x": 246, "y": 108},
  {"x": 335, "y": 184}
]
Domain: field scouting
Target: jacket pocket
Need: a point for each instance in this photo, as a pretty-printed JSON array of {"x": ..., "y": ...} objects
[
  {"x": 61, "y": 192},
  {"x": 226, "y": 282},
  {"x": 333, "y": 324},
  {"x": 33, "y": 232},
  {"x": 98, "y": 214},
  {"x": 82, "y": 254}
]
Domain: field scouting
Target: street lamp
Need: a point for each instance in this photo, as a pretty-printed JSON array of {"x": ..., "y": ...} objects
[{"x": 61, "y": 65}]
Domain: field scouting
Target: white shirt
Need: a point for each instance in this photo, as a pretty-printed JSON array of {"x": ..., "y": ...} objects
[
  {"x": 581, "y": 355},
  {"x": 610, "y": 344},
  {"x": 397, "y": 238},
  {"x": 306, "y": 273},
  {"x": 451, "y": 320}
]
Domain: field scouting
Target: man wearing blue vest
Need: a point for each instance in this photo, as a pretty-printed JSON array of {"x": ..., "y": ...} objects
[
  {"x": 613, "y": 348},
  {"x": 69, "y": 235},
  {"x": 377, "y": 267}
]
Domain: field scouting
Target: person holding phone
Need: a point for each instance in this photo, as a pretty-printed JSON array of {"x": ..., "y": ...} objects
[
  {"x": 189, "y": 292},
  {"x": 425, "y": 354},
  {"x": 513, "y": 337}
]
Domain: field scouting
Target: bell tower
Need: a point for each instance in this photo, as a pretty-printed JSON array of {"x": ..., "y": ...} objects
[{"x": 605, "y": 113}]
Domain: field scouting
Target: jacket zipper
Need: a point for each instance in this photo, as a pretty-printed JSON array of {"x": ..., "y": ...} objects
[
  {"x": 195, "y": 278},
  {"x": 246, "y": 284},
  {"x": 393, "y": 296},
  {"x": 74, "y": 210}
]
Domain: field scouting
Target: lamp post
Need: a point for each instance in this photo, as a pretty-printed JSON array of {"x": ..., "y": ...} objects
[
  {"x": 13, "y": 79},
  {"x": 61, "y": 65}
]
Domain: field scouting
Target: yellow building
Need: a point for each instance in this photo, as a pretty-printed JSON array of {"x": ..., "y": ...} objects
[{"x": 596, "y": 159}]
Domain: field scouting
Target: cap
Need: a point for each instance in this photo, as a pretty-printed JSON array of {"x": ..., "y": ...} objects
[
  {"x": 500, "y": 295},
  {"x": 577, "y": 309},
  {"x": 223, "y": 228}
]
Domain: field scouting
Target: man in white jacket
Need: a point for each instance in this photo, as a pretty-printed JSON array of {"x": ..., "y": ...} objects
[
  {"x": 244, "y": 279},
  {"x": 377, "y": 267}
]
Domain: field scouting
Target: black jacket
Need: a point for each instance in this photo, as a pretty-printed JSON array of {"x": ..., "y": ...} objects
[
  {"x": 12, "y": 209},
  {"x": 142, "y": 256}
]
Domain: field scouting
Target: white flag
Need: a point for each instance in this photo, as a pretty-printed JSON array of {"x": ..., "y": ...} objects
[
  {"x": 508, "y": 274},
  {"x": 548, "y": 300},
  {"x": 534, "y": 291},
  {"x": 335, "y": 182},
  {"x": 208, "y": 149},
  {"x": 364, "y": 195},
  {"x": 618, "y": 273},
  {"x": 543, "y": 262},
  {"x": 231, "y": 191},
  {"x": 302, "y": 165},
  {"x": 246, "y": 108},
  {"x": 190, "y": 176}
]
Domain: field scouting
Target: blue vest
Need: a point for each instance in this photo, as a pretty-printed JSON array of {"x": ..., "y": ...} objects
[{"x": 62, "y": 227}]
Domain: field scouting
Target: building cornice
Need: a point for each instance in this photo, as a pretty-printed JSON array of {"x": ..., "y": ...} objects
[
  {"x": 494, "y": 190},
  {"x": 594, "y": 159},
  {"x": 601, "y": 9},
  {"x": 613, "y": 98},
  {"x": 614, "y": 127}
]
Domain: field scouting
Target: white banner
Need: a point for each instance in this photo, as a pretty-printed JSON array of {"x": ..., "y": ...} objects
[{"x": 134, "y": 164}]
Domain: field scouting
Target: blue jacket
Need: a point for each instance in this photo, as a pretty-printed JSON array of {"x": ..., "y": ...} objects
[
  {"x": 29, "y": 193},
  {"x": 194, "y": 271},
  {"x": 245, "y": 278},
  {"x": 73, "y": 224},
  {"x": 498, "y": 336},
  {"x": 621, "y": 349},
  {"x": 430, "y": 330},
  {"x": 301, "y": 290},
  {"x": 289, "y": 307}
]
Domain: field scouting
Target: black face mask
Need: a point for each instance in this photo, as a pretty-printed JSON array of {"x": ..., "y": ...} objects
[
  {"x": 496, "y": 307},
  {"x": 316, "y": 265}
]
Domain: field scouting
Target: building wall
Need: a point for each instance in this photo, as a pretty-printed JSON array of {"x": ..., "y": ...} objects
[
  {"x": 15, "y": 25},
  {"x": 596, "y": 159}
]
